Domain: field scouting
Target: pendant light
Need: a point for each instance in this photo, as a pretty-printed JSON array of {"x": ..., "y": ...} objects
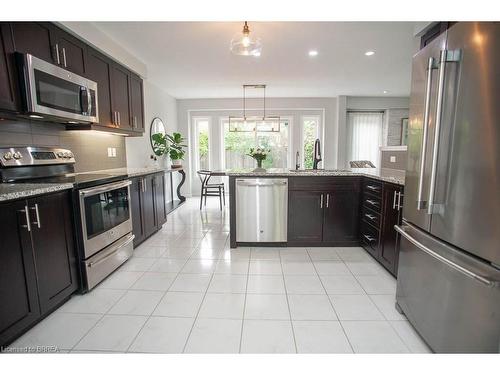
[
  {"x": 243, "y": 44},
  {"x": 264, "y": 123}
]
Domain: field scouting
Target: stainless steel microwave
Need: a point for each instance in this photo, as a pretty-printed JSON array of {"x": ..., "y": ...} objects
[{"x": 52, "y": 92}]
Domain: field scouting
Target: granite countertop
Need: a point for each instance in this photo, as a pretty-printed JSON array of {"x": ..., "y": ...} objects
[
  {"x": 21, "y": 190},
  {"x": 389, "y": 175},
  {"x": 134, "y": 172}
]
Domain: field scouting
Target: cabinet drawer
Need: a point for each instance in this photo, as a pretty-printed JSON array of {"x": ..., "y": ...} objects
[
  {"x": 324, "y": 183},
  {"x": 370, "y": 217},
  {"x": 372, "y": 202},
  {"x": 373, "y": 187},
  {"x": 369, "y": 238}
]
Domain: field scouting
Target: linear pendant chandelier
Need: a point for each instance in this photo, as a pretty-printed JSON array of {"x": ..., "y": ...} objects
[{"x": 262, "y": 123}]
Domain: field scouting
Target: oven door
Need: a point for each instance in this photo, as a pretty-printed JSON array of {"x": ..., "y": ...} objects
[
  {"x": 55, "y": 92},
  {"x": 105, "y": 215}
]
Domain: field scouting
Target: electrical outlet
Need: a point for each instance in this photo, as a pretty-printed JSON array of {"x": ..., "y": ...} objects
[
  {"x": 393, "y": 159},
  {"x": 111, "y": 152},
  {"x": 114, "y": 152}
]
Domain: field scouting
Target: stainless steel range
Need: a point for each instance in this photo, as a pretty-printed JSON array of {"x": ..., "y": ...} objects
[{"x": 101, "y": 204}]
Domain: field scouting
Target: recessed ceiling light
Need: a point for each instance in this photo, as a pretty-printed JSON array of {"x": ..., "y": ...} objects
[
  {"x": 313, "y": 53},
  {"x": 386, "y": 91},
  {"x": 369, "y": 53}
]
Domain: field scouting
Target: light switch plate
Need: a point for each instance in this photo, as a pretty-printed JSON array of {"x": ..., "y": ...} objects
[
  {"x": 111, "y": 152},
  {"x": 393, "y": 159}
]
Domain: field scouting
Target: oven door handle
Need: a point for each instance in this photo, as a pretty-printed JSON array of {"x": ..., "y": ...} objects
[{"x": 105, "y": 188}]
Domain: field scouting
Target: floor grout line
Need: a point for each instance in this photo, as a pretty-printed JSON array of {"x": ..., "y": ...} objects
[
  {"x": 288, "y": 303},
  {"x": 245, "y": 303}
]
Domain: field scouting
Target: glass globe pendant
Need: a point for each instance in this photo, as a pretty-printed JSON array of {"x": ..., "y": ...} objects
[{"x": 245, "y": 45}]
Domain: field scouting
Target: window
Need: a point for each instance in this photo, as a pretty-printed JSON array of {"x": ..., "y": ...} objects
[
  {"x": 237, "y": 144},
  {"x": 310, "y": 132},
  {"x": 202, "y": 142},
  {"x": 364, "y": 132}
]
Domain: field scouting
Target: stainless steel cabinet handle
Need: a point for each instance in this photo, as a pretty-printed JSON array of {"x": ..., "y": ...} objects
[
  {"x": 394, "y": 200},
  {"x": 373, "y": 203},
  {"x": 119, "y": 118},
  {"x": 399, "y": 200},
  {"x": 439, "y": 107},
  {"x": 144, "y": 186},
  {"x": 327, "y": 200},
  {"x": 444, "y": 260},
  {"x": 321, "y": 201},
  {"x": 369, "y": 238},
  {"x": 371, "y": 187},
  {"x": 27, "y": 215},
  {"x": 64, "y": 57},
  {"x": 430, "y": 66},
  {"x": 371, "y": 217},
  {"x": 57, "y": 55},
  {"x": 37, "y": 213}
]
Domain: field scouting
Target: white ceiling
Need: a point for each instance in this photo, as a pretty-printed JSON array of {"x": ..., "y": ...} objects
[{"x": 192, "y": 59}]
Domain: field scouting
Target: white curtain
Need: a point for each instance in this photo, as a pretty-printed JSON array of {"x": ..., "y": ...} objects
[{"x": 364, "y": 136}]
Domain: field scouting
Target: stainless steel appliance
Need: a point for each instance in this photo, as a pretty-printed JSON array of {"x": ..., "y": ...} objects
[
  {"x": 449, "y": 264},
  {"x": 261, "y": 209},
  {"x": 52, "y": 92},
  {"x": 101, "y": 204}
]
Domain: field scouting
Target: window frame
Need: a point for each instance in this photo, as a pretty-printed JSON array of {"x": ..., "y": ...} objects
[
  {"x": 320, "y": 135},
  {"x": 196, "y": 120}
]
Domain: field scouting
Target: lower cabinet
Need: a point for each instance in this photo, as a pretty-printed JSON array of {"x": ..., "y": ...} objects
[
  {"x": 148, "y": 205},
  {"x": 382, "y": 205},
  {"x": 323, "y": 211},
  {"x": 37, "y": 261}
]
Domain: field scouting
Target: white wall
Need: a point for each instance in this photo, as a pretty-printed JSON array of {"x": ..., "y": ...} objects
[
  {"x": 157, "y": 103},
  {"x": 363, "y": 103},
  {"x": 295, "y": 107}
]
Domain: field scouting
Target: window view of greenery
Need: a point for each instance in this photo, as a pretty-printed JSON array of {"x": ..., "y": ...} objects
[
  {"x": 203, "y": 144},
  {"x": 238, "y": 144},
  {"x": 310, "y": 135}
]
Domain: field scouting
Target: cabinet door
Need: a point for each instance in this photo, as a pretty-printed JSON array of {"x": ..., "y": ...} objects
[
  {"x": 149, "y": 208},
  {"x": 120, "y": 95},
  {"x": 98, "y": 69},
  {"x": 136, "y": 103},
  {"x": 305, "y": 216},
  {"x": 341, "y": 216},
  {"x": 53, "y": 246},
  {"x": 388, "y": 248},
  {"x": 34, "y": 38},
  {"x": 71, "y": 52},
  {"x": 161, "y": 212},
  {"x": 18, "y": 293},
  {"x": 8, "y": 81},
  {"x": 136, "y": 206}
]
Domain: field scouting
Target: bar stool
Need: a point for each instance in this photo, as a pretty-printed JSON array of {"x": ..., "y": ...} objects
[{"x": 210, "y": 190}]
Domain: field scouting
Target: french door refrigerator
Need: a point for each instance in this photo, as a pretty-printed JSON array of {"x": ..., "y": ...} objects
[{"x": 448, "y": 281}]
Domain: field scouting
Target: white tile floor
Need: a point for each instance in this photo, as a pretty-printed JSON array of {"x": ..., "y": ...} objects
[{"x": 184, "y": 290}]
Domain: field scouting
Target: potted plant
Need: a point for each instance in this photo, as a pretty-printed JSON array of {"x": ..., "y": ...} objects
[
  {"x": 176, "y": 149},
  {"x": 259, "y": 154}
]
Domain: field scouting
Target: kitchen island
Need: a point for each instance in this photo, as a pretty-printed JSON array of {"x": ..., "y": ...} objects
[{"x": 350, "y": 207}]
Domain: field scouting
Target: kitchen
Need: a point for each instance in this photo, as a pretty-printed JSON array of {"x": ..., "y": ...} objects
[{"x": 147, "y": 207}]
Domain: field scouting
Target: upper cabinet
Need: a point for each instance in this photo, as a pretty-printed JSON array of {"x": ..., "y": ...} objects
[
  {"x": 9, "y": 98},
  {"x": 120, "y": 92}
]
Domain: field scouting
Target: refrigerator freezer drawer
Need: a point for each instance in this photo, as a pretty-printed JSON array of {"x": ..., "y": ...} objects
[
  {"x": 451, "y": 298},
  {"x": 261, "y": 209}
]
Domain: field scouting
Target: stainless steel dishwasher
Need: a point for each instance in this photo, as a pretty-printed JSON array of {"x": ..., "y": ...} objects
[{"x": 261, "y": 209}]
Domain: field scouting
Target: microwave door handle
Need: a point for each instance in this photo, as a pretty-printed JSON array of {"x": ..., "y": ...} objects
[
  {"x": 89, "y": 102},
  {"x": 84, "y": 99}
]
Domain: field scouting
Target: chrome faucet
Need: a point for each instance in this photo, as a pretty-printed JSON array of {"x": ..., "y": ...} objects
[{"x": 317, "y": 154}]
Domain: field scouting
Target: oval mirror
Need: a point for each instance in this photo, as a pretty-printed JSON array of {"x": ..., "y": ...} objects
[{"x": 157, "y": 136}]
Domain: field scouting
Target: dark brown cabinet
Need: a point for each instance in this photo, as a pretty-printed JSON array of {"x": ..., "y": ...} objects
[
  {"x": 323, "y": 211},
  {"x": 148, "y": 205},
  {"x": 120, "y": 96},
  {"x": 136, "y": 103},
  {"x": 72, "y": 52},
  {"x": 18, "y": 290},
  {"x": 9, "y": 96},
  {"x": 36, "y": 38},
  {"x": 382, "y": 205},
  {"x": 37, "y": 261},
  {"x": 99, "y": 70}
]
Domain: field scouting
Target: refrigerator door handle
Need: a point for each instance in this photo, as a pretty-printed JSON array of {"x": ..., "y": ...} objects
[
  {"x": 457, "y": 267},
  {"x": 420, "y": 203}
]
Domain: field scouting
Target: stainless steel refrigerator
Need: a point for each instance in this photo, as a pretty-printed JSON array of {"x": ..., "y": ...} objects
[{"x": 448, "y": 281}]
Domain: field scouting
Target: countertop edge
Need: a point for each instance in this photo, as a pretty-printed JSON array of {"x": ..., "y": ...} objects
[{"x": 20, "y": 191}]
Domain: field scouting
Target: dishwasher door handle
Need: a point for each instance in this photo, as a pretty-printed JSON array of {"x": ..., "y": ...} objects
[{"x": 241, "y": 183}]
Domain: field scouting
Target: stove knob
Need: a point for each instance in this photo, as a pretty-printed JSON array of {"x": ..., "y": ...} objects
[
  {"x": 66, "y": 155},
  {"x": 18, "y": 155},
  {"x": 60, "y": 154},
  {"x": 7, "y": 156},
  {"x": 70, "y": 155}
]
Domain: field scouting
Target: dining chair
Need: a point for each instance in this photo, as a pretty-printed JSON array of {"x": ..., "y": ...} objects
[{"x": 210, "y": 190}]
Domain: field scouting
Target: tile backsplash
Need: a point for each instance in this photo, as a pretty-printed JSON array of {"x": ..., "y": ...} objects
[
  {"x": 90, "y": 147},
  {"x": 393, "y": 159}
]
